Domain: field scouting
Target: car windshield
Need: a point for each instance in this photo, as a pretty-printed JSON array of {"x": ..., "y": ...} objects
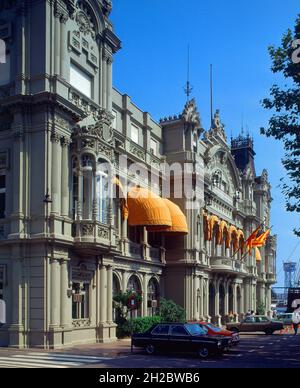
[
  {"x": 195, "y": 329},
  {"x": 214, "y": 328}
]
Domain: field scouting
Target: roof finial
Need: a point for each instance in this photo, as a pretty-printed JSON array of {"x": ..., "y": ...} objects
[{"x": 188, "y": 88}]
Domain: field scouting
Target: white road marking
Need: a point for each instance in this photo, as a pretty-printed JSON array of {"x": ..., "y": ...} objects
[{"x": 49, "y": 360}]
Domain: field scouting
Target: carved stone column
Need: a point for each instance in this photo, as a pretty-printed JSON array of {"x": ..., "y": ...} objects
[
  {"x": 145, "y": 295},
  {"x": 65, "y": 191},
  {"x": 64, "y": 59},
  {"x": 56, "y": 173},
  {"x": 103, "y": 294},
  {"x": 109, "y": 294},
  {"x": 57, "y": 44},
  {"x": 54, "y": 294},
  {"x": 65, "y": 298}
]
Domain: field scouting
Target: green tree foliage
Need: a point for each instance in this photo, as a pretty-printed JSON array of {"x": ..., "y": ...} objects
[
  {"x": 284, "y": 125},
  {"x": 171, "y": 312},
  {"x": 261, "y": 308},
  {"x": 122, "y": 304}
]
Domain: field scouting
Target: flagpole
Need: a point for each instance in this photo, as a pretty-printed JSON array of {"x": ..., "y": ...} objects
[
  {"x": 254, "y": 247},
  {"x": 246, "y": 240}
]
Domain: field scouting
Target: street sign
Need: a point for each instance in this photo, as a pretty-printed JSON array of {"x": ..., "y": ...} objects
[{"x": 2, "y": 312}]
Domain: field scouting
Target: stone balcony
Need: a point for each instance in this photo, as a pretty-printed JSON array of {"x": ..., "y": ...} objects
[
  {"x": 227, "y": 265},
  {"x": 93, "y": 234},
  {"x": 145, "y": 252}
]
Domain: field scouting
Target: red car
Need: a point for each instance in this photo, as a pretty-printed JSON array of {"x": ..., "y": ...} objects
[{"x": 215, "y": 330}]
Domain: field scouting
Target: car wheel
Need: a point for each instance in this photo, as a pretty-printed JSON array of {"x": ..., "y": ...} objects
[
  {"x": 203, "y": 353},
  {"x": 269, "y": 332},
  {"x": 150, "y": 349}
]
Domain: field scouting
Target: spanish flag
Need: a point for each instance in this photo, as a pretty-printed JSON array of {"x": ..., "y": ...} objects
[
  {"x": 252, "y": 238},
  {"x": 261, "y": 240}
]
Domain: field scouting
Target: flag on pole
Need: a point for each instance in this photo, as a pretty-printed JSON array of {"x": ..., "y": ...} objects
[
  {"x": 251, "y": 238},
  {"x": 261, "y": 240}
]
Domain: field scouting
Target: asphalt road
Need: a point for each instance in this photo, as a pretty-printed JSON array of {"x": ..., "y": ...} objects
[{"x": 254, "y": 351}]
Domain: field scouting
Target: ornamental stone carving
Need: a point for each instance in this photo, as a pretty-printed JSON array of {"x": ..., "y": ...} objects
[
  {"x": 191, "y": 115},
  {"x": 137, "y": 151},
  {"x": 87, "y": 229},
  {"x": 83, "y": 22},
  {"x": 103, "y": 233}
]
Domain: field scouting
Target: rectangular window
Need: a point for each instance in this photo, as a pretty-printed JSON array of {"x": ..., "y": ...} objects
[
  {"x": 80, "y": 301},
  {"x": 135, "y": 134},
  {"x": 153, "y": 147},
  {"x": 81, "y": 80},
  {"x": 114, "y": 113},
  {"x": 5, "y": 71},
  {"x": 2, "y": 195},
  {"x": 102, "y": 196}
]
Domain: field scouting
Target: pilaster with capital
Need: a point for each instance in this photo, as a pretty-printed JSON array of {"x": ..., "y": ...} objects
[
  {"x": 56, "y": 173},
  {"x": 54, "y": 294}
]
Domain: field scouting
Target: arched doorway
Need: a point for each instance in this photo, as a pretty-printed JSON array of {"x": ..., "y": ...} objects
[
  {"x": 221, "y": 300},
  {"x": 134, "y": 285},
  {"x": 212, "y": 296},
  {"x": 116, "y": 291},
  {"x": 153, "y": 297}
]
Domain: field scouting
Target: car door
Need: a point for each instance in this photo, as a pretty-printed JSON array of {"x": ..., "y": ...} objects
[
  {"x": 248, "y": 324},
  {"x": 161, "y": 336},
  {"x": 180, "y": 339},
  {"x": 265, "y": 324}
]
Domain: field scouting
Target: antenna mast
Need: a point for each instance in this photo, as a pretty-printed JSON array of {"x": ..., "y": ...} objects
[
  {"x": 188, "y": 88},
  {"x": 211, "y": 94}
]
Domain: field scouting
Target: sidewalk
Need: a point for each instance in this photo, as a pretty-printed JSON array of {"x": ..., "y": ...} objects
[{"x": 115, "y": 349}]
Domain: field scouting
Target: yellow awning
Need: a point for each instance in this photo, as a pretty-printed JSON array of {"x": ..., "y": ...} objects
[
  {"x": 257, "y": 254},
  {"x": 222, "y": 226},
  {"x": 213, "y": 220},
  {"x": 179, "y": 223},
  {"x": 232, "y": 233},
  {"x": 147, "y": 209}
]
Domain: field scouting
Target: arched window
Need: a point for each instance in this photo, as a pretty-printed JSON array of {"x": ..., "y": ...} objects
[
  {"x": 153, "y": 297},
  {"x": 134, "y": 285},
  {"x": 116, "y": 291},
  {"x": 102, "y": 190},
  {"x": 87, "y": 186}
]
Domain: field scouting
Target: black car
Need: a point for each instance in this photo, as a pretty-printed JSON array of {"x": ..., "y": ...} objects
[{"x": 180, "y": 337}]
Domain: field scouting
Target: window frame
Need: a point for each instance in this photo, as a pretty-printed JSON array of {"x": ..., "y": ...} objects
[
  {"x": 135, "y": 127},
  {"x": 82, "y": 72}
]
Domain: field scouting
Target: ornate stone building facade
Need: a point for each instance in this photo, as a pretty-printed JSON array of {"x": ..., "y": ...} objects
[{"x": 64, "y": 248}]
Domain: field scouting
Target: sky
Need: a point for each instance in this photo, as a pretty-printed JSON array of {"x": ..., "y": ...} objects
[{"x": 232, "y": 35}]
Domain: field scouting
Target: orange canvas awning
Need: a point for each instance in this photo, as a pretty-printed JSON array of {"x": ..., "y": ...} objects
[
  {"x": 222, "y": 226},
  {"x": 179, "y": 223},
  {"x": 257, "y": 254},
  {"x": 232, "y": 233},
  {"x": 213, "y": 220},
  {"x": 147, "y": 209}
]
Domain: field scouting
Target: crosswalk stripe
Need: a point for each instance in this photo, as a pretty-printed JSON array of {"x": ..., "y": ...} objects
[
  {"x": 21, "y": 359},
  {"x": 58, "y": 358},
  {"x": 30, "y": 365},
  {"x": 66, "y": 355}
]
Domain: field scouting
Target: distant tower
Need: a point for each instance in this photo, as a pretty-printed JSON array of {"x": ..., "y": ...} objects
[
  {"x": 243, "y": 152},
  {"x": 289, "y": 274}
]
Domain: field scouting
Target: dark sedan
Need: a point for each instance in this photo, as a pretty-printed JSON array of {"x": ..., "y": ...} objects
[
  {"x": 256, "y": 323},
  {"x": 179, "y": 337}
]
